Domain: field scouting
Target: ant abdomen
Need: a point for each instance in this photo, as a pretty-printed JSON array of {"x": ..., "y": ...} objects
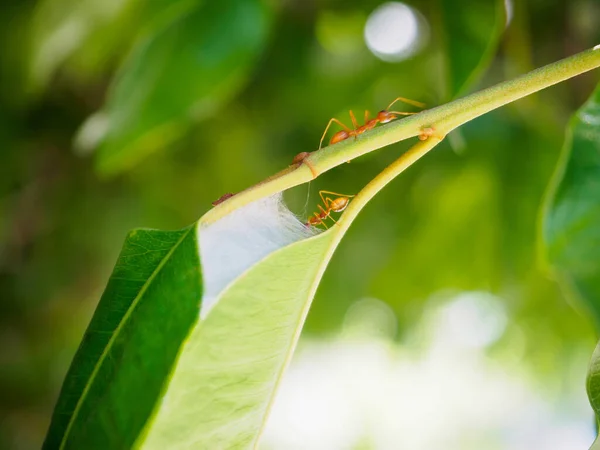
[
  {"x": 340, "y": 136},
  {"x": 339, "y": 204}
]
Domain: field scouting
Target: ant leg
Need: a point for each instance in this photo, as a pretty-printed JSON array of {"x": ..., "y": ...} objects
[
  {"x": 354, "y": 123},
  {"x": 408, "y": 102},
  {"x": 400, "y": 113},
  {"x": 333, "y": 119},
  {"x": 367, "y": 114},
  {"x": 323, "y": 198},
  {"x": 328, "y": 212},
  {"x": 321, "y": 218}
]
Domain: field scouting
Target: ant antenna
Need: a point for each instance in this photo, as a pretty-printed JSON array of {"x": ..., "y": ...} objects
[{"x": 408, "y": 101}]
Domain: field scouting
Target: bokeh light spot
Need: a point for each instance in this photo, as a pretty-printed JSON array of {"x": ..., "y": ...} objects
[
  {"x": 395, "y": 31},
  {"x": 370, "y": 317},
  {"x": 473, "y": 319},
  {"x": 509, "y": 8}
]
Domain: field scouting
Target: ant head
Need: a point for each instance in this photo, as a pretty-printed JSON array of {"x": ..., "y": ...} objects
[
  {"x": 339, "y": 204},
  {"x": 385, "y": 116},
  {"x": 339, "y": 136}
]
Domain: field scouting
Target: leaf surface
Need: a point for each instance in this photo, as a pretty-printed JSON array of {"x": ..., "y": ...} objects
[
  {"x": 151, "y": 374},
  {"x": 117, "y": 376},
  {"x": 229, "y": 369},
  {"x": 571, "y": 222}
]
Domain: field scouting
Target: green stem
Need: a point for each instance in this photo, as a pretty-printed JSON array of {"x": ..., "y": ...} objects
[
  {"x": 406, "y": 160},
  {"x": 443, "y": 119}
]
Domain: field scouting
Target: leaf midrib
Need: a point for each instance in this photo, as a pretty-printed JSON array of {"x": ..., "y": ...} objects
[{"x": 116, "y": 333}]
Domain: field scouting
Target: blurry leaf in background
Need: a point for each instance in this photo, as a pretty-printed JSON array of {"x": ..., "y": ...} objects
[
  {"x": 470, "y": 33},
  {"x": 571, "y": 221},
  {"x": 186, "y": 70},
  {"x": 60, "y": 27},
  {"x": 86, "y": 40}
]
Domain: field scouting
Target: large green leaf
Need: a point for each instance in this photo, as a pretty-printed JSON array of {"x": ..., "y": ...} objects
[
  {"x": 119, "y": 371},
  {"x": 593, "y": 381},
  {"x": 150, "y": 373},
  {"x": 232, "y": 363},
  {"x": 470, "y": 34},
  {"x": 571, "y": 222},
  {"x": 184, "y": 70},
  {"x": 593, "y": 388}
]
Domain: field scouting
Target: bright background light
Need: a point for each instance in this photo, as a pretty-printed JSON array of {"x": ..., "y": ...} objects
[
  {"x": 395, "y": 31},
  {"x": 361, "y": 390}
]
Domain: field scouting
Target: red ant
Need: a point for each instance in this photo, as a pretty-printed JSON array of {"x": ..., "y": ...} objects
[
  {"x": 337, "y": 205},
  {"x": 383, "y": 116},
  {"x": 222, "y": 198}
]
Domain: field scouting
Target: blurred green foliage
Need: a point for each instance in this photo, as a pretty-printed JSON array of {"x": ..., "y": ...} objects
[
  {"x": 469, "y": 35},
  {"x": 464, "y": 218},
  {"x": 572, "y": 218}
]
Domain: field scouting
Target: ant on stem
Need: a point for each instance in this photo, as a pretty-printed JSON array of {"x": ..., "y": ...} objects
[
  {"x": 222, "y": 198},
  {"x": 337, "y": 205},
  {"x": 383, "y": 116}
]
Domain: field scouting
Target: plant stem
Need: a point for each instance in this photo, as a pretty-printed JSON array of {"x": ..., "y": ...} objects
[
  {"x": 443, "y": 119},
  {"x": 406, "y": 160}
]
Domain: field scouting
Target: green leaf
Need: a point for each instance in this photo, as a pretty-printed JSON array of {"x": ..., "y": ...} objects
[
  {"x": 117, "y": 376},
  {"x": 150, "y": 374},
  {"x": 571, "y": 221},
  {"x": 470, "y": 34},
  {"x": 593, "y": 381},
  {"x": 231, "y": 365},
  {"x": 185, "y": 70}
]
